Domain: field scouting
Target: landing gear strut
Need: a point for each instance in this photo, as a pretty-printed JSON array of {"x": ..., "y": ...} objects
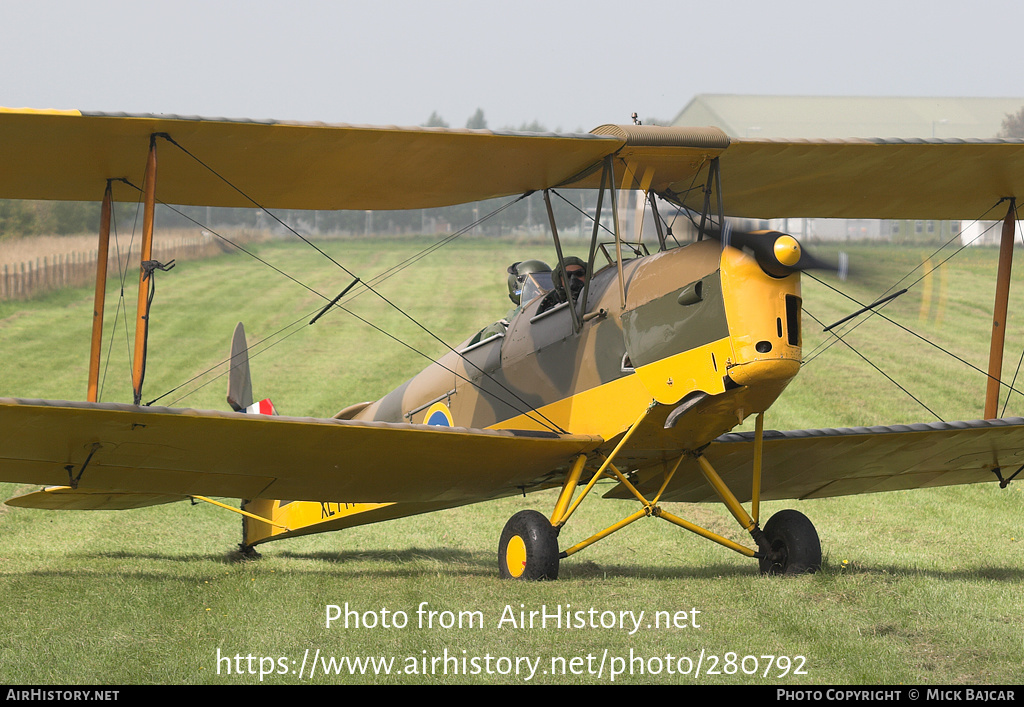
[{"x": 788, "y": 544}]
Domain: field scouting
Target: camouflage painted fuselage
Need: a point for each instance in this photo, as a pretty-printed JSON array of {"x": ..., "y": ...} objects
[
  {"x": 697, "y": 320},
  {"x": 706, "y": 338}
]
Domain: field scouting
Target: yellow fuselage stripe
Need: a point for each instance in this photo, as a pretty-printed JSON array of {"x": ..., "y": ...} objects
[{"x": 608, "y": 409}]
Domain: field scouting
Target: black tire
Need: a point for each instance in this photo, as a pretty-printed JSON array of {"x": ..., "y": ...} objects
[
  {"x": 530, "y": 544},
  {"x": 795, "y": 547}
]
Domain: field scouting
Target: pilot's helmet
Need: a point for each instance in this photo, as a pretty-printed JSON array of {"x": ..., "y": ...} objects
[{"x": 519, "y": 278}]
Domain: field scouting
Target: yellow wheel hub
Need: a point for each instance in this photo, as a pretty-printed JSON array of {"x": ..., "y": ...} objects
[{"x": 515, "y": 556}]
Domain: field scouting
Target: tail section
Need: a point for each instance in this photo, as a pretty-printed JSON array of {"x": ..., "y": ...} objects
[
  {"x": 263, "y": 407},
  {"x": 291, "y": 519},
  {"x": 239, "y": 380}
]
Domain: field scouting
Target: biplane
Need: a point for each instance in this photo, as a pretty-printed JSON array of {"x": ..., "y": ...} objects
[{"x": 637, "y": 374}]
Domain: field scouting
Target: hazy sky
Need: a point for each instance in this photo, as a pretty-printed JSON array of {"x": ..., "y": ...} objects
[{"x": 568, "y": 65}]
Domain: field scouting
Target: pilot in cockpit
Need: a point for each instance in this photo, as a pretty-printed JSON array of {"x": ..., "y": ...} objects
[
  {"x": 528, "y": 279},
  {"x": 575, "y": 274},
  {"x": 575, "y": 270}
]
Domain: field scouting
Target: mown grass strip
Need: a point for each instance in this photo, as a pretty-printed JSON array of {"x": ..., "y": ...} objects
[{"x": 917, "y": 587}]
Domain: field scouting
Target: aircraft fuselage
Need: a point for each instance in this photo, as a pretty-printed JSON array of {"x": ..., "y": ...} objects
[{"x": 697, "y": 320}]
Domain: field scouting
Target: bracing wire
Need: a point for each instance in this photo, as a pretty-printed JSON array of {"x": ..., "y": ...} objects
[
  {"x": 827, "y": 344},
  {"x": 887, "y": 376},
  {"x": 529, "y": 412},
  {"x": 122, "y": 307},
  {"x": 550, "y": 425},
  {"x": 838, "y": 336},
  {"x": 909, "y": 331}
]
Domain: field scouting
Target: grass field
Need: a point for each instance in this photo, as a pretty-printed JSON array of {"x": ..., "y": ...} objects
[{"x": 917, "y": 587}]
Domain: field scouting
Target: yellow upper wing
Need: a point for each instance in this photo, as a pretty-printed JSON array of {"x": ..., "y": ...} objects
[
  {"x": 154, "y": 450},
  {"x": 69, "y": 155},
  {"x": 853, "y": 178},
  {"x": 902, "y": 179},
  {"x": 839, "y": 462}
]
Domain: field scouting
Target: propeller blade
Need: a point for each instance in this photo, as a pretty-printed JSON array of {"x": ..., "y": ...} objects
[{"x": 779, "y": 254}]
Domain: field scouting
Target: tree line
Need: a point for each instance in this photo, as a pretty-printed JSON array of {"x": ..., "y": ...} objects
[
  {"x": 29, "y": 218},
  {"x": 1013, "y": 125}
]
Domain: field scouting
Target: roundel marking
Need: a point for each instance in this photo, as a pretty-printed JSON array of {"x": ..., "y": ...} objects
[{"x": 438, "y": 415}]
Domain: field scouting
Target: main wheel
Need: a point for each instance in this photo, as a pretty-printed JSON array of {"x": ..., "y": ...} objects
[
  {"x": 795, "y": 547},
  {"x": 528, "y": 548}
]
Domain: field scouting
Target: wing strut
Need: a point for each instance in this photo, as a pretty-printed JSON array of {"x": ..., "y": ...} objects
[
  {"x": 142, "y": 311},
  {"x": 241, "y": 512},
  {"x": 715, "y": 182},
  {"x": 561, "y": 268},
  {"x": 662, "y": 245},
  {"x": 995, "y": 355},
  {"x": 92, "y": 394},
  {"x": 593, "y": 240},
  {"x": 610, "y": 166}
]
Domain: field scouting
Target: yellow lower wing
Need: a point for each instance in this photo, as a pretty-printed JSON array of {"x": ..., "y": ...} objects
[
  {"x": 840, "y": 462},
  {"x": 162, "y": 451}
]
